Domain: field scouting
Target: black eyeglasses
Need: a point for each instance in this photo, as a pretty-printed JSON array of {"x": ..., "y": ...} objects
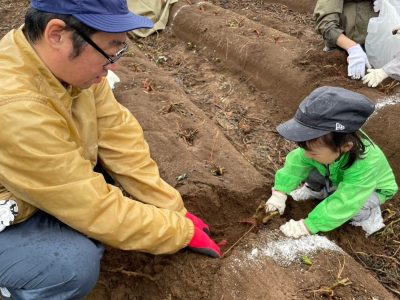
[{"x": 111, "y": 59}]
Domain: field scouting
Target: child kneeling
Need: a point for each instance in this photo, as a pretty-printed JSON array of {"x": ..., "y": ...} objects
[{"x": 336, "y": 161}]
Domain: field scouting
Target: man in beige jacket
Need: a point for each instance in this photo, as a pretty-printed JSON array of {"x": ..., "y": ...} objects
[{"x": 59, "y": 120}]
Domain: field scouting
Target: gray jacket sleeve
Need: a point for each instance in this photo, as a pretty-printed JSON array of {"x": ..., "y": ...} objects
[
  {"x": 327, "y": 20},
  {"x": 392, "y": 68}
]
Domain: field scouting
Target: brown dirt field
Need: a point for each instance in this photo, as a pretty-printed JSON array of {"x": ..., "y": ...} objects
[{"x": 222, "y": 76}]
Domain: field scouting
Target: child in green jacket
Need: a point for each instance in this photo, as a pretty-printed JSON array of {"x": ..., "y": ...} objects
[{"x": 336, "y": 161}]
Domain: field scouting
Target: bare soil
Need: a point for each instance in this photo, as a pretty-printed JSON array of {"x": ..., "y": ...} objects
[{"x": 209, "y": 92}]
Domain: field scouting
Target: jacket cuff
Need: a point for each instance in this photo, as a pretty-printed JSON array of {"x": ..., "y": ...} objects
[
  {"x": 381, "y": 198},
  {"x": 310, "y": 226},
  {"x": 282, "y": 189},
  {"x": 331, "y": 36},
  {"x": 183, "y": 211},
  {"x": 190, "y": 233}
]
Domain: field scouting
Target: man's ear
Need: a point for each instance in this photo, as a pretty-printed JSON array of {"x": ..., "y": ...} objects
[
  {"x": 347, "y": 147},
  {"x": 54, "y": 34}
]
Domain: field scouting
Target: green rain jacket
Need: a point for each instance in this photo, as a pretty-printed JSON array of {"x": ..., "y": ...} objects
[
  {"x": 350, "y": 17},
  {"x": 355, "y": 185}
]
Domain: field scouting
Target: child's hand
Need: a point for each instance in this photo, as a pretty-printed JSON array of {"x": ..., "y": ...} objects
[
  {"x": 277, "y": 202},
  {"x": 294, "y": 229}
]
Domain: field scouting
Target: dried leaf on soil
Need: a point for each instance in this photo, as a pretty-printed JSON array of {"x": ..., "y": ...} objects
[
  {"x": 174, "y": 107},
  {"x": 188, "y": 135},
  {"x": 182, "y": 177},
  {"x": 147, "y": 85},
  {"x": 217, "y": 170}
]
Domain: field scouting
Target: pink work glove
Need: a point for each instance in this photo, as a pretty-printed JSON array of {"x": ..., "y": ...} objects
[
  {"x": 203, "y": 244},
  {"x": 199, "y": 223}
]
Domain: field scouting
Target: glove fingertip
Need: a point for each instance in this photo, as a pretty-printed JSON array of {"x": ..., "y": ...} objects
[{"x": 207, "y": 251}]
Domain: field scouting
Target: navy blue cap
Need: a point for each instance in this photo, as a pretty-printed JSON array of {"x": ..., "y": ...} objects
[
  {"x": 327, "y": 109},
  {"x": 102, "y": 15}
]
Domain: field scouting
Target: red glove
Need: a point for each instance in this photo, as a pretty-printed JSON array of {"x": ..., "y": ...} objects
[
  {"x": 203, "y": 244},
  {"x": 197, "y": 222}
]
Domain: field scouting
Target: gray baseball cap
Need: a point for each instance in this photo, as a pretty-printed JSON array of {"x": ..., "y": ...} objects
[{"x": 327, "y": 109}]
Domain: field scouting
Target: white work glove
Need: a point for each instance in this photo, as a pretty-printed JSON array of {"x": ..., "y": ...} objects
[
  {"x": 305, "y": 193},
  {"x": 357, "y": 61},
  {"x": 377, "y": 5},
  {"x": 8, "y": 212},
  {"x": 294, "y": 229},
  {"x": 374, "y": 77},
  {"x": 277, "y": 201}
]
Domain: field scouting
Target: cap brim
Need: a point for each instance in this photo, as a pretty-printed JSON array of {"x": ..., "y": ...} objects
[
  {"x": 115, "y": 23},
  {"x": 294, "y": 131}
]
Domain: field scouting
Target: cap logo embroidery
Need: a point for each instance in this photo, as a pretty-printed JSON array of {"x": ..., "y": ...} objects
[{"x": 340, "y": 126}]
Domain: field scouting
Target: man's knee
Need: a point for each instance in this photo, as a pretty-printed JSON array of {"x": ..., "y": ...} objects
[
  {"x": 82, "y": 270},
  {"x": 69, "y": 277},
  {"x": 78, "y": 281}
]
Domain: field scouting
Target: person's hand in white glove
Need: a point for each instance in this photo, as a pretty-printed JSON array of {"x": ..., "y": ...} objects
[
  {"x": 374, "y": 77},
  {"x": 357, "y": 61},
  {"x": 377, "y": 5},
  {"x": 294, "y": 229},
  {"x": 8, "y": 212},
  {"x": 306, "y": 193},
  {"x": 277, "y": 201}
]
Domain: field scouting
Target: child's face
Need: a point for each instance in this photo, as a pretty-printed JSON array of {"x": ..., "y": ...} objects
[{"x": 322, "y": 154}]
